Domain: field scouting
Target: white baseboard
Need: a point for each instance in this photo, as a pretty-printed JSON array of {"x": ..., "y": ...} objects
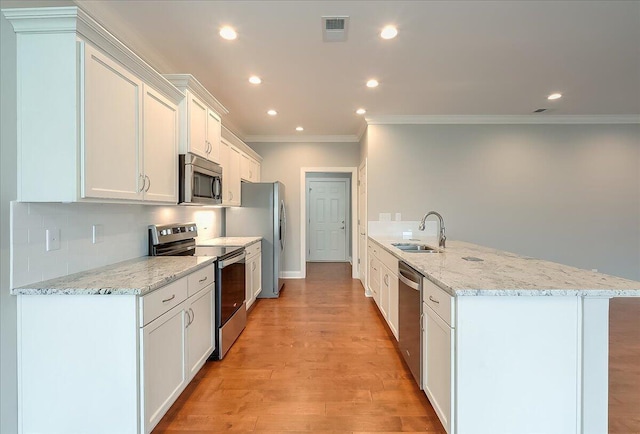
[{"x": 292, "y": 275}]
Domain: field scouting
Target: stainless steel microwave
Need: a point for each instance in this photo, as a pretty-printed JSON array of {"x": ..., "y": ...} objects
[{"x": 200, "y": 181}]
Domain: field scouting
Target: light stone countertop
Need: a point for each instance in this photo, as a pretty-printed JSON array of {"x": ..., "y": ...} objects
[
  {"x": 229, "y": 241},
  {"x": 503, "y": 273},
  {"x": 133, "y": 277}
]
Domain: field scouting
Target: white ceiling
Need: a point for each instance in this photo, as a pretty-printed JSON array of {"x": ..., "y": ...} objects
[{"x": 450, "y": 58}]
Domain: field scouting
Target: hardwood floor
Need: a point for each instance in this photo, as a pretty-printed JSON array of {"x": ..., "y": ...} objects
[
  {"x": 320, "y": 359},
  {"x": 624, "y": 366},
  {"x": 317, "y": 359}
]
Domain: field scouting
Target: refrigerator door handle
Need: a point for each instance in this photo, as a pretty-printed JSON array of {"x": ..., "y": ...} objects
[{"x": 283, "y": 224}]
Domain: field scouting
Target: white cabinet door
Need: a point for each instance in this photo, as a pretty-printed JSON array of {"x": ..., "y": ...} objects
[
  {"x": 112, "y": 152},
  {"x": 245, "y": 167},
  {"x": 233, "y": 177},
  {"x": 214, "y": 130},
  {"x": 392, "y": 319},
  {"x": 198, "y": 118},
  {"x": 257, "y": 276},
  {"x": 160, "y": 140},
  {"x": 374, "y": 276},
  {"x": 249, "y": 298},
  {"x": 437, "y": 361},
  {"x": 163, "y": 343},
  {"x": 200, "y": 339},
  {"x": 384, "y": 291}
]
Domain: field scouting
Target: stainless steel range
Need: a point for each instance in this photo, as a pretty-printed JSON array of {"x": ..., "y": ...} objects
[{"x": 230, "y": 309}]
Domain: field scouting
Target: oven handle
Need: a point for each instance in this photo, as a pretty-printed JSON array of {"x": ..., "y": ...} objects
[{"x": 232, "y": 260}]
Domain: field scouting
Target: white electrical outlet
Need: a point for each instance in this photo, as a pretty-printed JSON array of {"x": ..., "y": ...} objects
[
  {"x": 398, "y": 217},
  {"x": 53, "y": 239},
  {"x": 595, "y": 270},
  {"x": 97, "y": 234}
]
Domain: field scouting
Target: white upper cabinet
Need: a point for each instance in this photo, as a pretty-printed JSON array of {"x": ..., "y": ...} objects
[
  {"x": 197, "y": 130},
  {"x": 249, "y": 169},
  {"x": 160, "y": 147},
  {"x": 111, "y": 120},
  {"x": 95, "y": 122},
  {"x": 200, "y": 123}
]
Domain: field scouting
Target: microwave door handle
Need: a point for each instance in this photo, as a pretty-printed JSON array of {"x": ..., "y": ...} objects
[{"x": 216, "y": 188}]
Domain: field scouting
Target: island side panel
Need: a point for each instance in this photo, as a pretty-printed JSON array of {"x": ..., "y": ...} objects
[
  {"x": 595, "y": 365},
  {"x": 517, "y": 367},
  {"x": 77, "y": 364}
]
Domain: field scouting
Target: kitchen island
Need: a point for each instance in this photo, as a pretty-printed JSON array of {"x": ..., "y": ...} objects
[{"x": 513, "y": 344}]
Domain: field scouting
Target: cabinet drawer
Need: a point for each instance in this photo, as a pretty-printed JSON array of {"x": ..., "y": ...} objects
[
  {"x": 374, "y": 247},
  {"x": 160, "y": 301},
  {"x": 389, "y": 260},
  {"x": 253, "y": 249},
  {"x": 439, "y": 300},
  {"x": 200, "y": 279}
]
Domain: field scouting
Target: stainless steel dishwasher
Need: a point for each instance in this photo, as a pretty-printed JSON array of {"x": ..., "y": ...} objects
[{"x": 409, "y": 308}]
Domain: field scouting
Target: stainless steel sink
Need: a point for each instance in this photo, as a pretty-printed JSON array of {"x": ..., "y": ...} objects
[{"x": 415, "y": 248}]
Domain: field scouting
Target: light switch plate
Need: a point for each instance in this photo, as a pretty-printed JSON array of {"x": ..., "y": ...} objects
[
  {"x": 398, "y": 217},
  {"x": 53, "y": 239},
  {"x": 97, "y": 234}
]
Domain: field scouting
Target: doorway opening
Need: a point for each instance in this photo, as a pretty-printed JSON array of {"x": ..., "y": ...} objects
[{"x": 328, "y": 216}]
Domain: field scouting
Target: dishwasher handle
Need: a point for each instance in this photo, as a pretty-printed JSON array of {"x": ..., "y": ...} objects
[{"x": 409, "y": 283}]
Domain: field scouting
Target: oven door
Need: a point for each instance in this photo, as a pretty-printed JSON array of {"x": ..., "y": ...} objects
[{"x": 231, "y": 278}]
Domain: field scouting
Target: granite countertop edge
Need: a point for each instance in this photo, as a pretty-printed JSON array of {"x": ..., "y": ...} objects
[
  {"x": 617, "y": 287},
  {"x": 229, "y": 242},
  {"x": 137, "y": 276}
]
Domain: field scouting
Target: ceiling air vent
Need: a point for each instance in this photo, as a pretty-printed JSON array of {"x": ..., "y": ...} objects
[
  {"x": 334, "y": 29},
  {"x": 540, "y": 110}
]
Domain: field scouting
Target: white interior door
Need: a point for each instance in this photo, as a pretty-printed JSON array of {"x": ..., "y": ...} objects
[
  {"x": 328, "y": 224},
  {"x": 362, "y": 222}
]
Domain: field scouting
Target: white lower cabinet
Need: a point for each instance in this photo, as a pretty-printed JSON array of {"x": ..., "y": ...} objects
[
  {"x": 437, "y": 358},
  {"x": 253, "y": 275},
  {"x": 383, "y": 284},
  {"x": 200, "y": 338},
  {"x": 114, "y": 363},
  {"x": 163, "y": 343}
]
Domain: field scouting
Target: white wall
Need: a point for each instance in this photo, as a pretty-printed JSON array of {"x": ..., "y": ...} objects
[
  {"x": 282, "y": 162},
  {"x": 566, "y": 193},
  {"x": 8, "y": 190}
]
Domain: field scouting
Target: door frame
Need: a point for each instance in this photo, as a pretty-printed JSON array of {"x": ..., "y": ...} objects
[
  {"x": 347, "y": 185},
  {"x": 303, "y": 215}
]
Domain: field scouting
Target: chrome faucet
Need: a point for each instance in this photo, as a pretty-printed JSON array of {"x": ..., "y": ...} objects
[{"x": 442, "y": 238}]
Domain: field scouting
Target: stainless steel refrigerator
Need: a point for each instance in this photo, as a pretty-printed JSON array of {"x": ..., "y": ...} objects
[{"x": 262, "y": 214}]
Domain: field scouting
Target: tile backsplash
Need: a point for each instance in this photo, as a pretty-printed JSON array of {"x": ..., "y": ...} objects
[{"x": 122, "y": 234}]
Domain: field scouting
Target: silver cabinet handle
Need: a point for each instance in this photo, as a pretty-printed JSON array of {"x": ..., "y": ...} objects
[
  {"x": 230, "y": 195},
  {"x": 188, "y": 318},
  {"x": 434, "y": 300},
  {"x": 386, "y": 279},
  {"x": 422, "y": 322},
  {"x": 193, "y": 316},
  {"x": 169, "y": 299},
  {"x": 144, "y": 181},
  {"x": 149, "y": 185},
  {"x": 204, "y": 279},
  {"x": 253, "y": 266}
]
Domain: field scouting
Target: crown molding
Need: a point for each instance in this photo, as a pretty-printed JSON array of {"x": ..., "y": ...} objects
[
  {"x": 502, "y": 119},
  {"x": 361, "y": 130},
  {"x": 72, "y": 19},
  {"x": 190, "y": 83},
  {"x": 351, "y": 138}
]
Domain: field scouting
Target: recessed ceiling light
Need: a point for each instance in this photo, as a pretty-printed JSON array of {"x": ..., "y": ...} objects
[
  {"x": 299, "y": 129},
  {"x": 389, "y": 32},
  {"x": 361, "y": 111},
  {"x": 554, "y": 96},
  {"x": 372, "y": 83},
  {"x": 254, "y": 79},
  {"x": 272, "y": 112},
  {"x": 228, "y": 33}
]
